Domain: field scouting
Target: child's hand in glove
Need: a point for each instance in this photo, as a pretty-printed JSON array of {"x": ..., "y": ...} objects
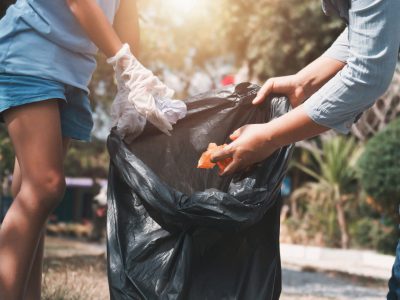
[{"x": 141, "y": 95}]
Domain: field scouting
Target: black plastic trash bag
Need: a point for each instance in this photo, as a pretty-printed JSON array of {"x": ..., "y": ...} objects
[{"x": 178, "y": 232}]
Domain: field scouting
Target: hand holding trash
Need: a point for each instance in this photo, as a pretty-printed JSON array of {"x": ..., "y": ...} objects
[
  {"x": 205, "y": 159},
  {"x": 255, "y": 142},
  {"x": 250, "y": 145},
  {"x": 141, "y": 96}
]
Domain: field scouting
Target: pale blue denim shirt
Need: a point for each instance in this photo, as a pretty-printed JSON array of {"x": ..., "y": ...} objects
[
  {"x": 369, "y": 46},
  {"x": 42, "y": 38}
]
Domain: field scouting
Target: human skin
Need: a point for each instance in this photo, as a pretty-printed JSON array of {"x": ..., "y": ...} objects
[
  {"x": 33, "y": 289},
  {"x": 39, "y": 181},
  {"x": 39, "y": 150},
  {"x": 253, "y": 143},
  {"x": 107, "y": 38},
  {"x": 370, "y": 49}
]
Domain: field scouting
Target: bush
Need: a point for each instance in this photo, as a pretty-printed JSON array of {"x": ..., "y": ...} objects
[
  {"x": 374, "y": 234},
  {"x": 277, "y": 38},
  {"x": 380, "y": 168}
]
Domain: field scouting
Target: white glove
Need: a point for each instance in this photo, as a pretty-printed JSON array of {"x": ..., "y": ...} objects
[{"x": 141, "y": 95}]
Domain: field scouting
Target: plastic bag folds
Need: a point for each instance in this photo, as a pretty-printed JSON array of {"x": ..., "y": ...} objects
[{"x": 178, "y": 232}]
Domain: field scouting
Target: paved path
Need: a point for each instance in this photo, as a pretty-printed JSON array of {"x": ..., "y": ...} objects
[
  {"x": 303, "y": 285},
  {"x": 362, "y": 263}
]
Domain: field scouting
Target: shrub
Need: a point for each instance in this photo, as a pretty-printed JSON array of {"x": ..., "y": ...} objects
[
  {"x": 374, "y": 234},
  {"x": 380, "y": 168}
]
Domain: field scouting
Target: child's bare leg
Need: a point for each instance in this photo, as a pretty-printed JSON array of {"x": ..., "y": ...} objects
[
  {"x": 16, "y": 179},
  {"x": 34, "y": 288},
  {"x": 36, "y": 135},
  {"x": 33, "y": 291}
]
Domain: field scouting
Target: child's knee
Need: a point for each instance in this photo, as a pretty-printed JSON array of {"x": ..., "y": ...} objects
[
  {"x": 54, "y": 185},
  {"x": 48, "y": 189}
]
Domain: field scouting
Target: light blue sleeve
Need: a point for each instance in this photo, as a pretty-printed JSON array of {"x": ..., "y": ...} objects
[
  {"x": 374, "y": 41},
  {"x": 340, "y": 48}
]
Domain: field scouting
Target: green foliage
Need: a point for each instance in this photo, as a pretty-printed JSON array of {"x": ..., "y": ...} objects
[
  {"x": 380, "y": 168},
  {"x": 278, "y": 37},
  {"x": 102, "y": 86},
  {"x": 85, "y": 159},
  {"x": 333, "y": 162},
  {"x": 332, "y": 165},
  {"x": 271, "y": 37},
  {"x": 6, "y": 153},
  {"x": 373, "y": 234}
]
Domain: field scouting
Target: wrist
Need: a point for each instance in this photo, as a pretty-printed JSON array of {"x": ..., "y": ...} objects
[
  {"x": 270, "y": 137},
  {"x": 301, "y": 86},
  {"x": 123, "y": 51},
  {"x": 115, "y": 48}
]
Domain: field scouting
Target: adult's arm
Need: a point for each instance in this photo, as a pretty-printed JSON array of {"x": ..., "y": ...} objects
[
  {"x": 374, "y": 40},
  {"x": 306, "y": 82},
  {"x": 340, "y": 49}
]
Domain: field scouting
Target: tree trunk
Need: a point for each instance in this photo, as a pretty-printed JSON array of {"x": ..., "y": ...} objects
[
  {"x": 293, "y": 208},
  {"x": 341, "y": 217}
]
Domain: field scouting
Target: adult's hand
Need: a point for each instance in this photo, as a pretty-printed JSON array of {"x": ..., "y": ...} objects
[
  {"x": 300, "y": 86},
  {"x": 250, "y": 145},
  {"x": 254, "y": 143},
  {"x": 289, "y": 86}
]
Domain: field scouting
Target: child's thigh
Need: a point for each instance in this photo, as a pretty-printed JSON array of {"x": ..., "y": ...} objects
[{"x": 35, "y": 131}]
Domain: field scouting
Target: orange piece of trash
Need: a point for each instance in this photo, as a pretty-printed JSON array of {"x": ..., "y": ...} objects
[{"x": 205, "y": 159}]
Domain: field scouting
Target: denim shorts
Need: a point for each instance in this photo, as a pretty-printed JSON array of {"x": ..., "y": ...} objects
[{"x": 75, "y": 111}]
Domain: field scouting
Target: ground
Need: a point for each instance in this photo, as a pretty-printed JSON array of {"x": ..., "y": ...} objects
[
  {"x": 306, "y": 285},
  {"x": 83, "y": 277},
  {"x": 76, "y": 278}
]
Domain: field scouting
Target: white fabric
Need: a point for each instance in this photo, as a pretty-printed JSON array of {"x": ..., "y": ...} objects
[{"x": 141, "y": 96}]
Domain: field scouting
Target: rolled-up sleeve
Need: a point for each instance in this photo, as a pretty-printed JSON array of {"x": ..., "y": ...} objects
[{"x": 373, "y": 46}]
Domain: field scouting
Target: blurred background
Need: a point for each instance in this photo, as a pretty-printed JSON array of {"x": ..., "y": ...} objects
[{"x": 341, "y": 192}]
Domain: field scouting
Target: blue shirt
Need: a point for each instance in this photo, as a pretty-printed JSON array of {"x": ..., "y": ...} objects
[
  {"x": 42, "y": 38},
  {"x": 369, "y": 46}
]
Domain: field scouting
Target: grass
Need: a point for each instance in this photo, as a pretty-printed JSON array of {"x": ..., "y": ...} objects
[{"x": 75, "y": 278}]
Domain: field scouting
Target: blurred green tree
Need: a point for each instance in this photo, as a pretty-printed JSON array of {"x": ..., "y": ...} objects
[
  {"x": 6, "y": 152},
  {"x": 87, "y": 160},
  {"x": 277, "y": 37},
  {"x": 380, "y": 169}
]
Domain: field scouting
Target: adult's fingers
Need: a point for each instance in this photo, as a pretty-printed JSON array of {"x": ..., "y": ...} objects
[
  {"x": 222, "y": 154},
  {"x": 265, "y": 90},
  {"x": 237, "y": 133},
  {"x": 233, "y": 167}
]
